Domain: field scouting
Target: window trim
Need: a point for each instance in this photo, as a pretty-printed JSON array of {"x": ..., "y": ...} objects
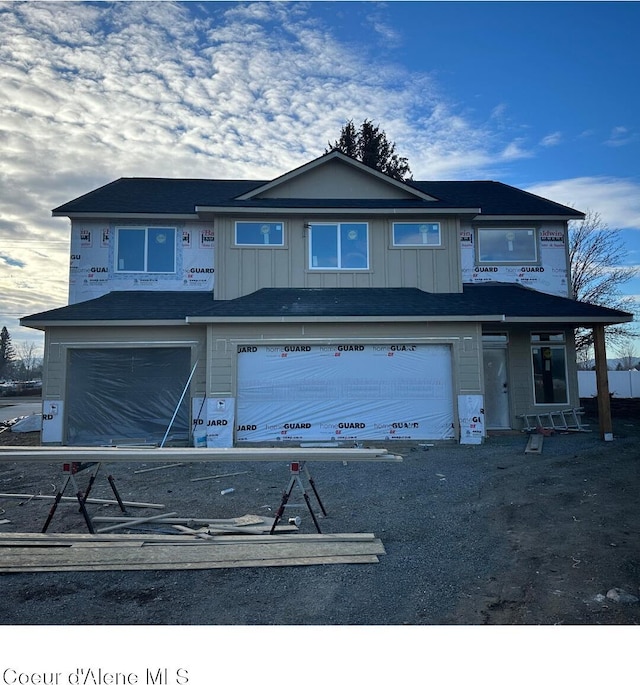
[
  {"x": 420, "y": 246},
  {"x": 508, "y": 262},
  {"x": 337, "y": 225},
  {"x": 260, "y": 245},
  {"x": 146, "y": 230}
]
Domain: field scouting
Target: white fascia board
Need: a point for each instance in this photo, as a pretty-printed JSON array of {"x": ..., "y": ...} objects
[
  {"x": 362, "y": 211},
  {"x": 527, "y": 217},
  {"x": 341, "y": 319},
  {"x": 125, "y": 215},
  {"x": 576, "y": 320},
  {"x": 42, "y": 325}
]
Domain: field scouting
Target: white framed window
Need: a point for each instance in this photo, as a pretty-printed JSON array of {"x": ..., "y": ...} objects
[
  {"x": 416, "y": 234},
  {"x": 257, "y": 233},
  {"x": 549, "y": 367},
  {"x": 515, "y": 245},
  {"x": 339, "y": 246},
  {"x": 146, "y": 250}
]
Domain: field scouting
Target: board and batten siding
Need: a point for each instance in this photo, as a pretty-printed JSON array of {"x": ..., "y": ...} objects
[
  {"x": 58, "y": 340},
  {"x": 241, "y": 270}
]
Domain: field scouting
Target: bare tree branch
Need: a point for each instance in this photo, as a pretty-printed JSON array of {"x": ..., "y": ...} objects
[{"x": 596, "y": 255}]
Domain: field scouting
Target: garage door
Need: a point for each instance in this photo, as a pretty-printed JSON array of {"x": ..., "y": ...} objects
[
  {"x": 344, "y": 392},
  {"x": 126, "y": 395}
]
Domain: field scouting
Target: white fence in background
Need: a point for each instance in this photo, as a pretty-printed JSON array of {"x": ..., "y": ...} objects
[{"x": 621, "y": 383}]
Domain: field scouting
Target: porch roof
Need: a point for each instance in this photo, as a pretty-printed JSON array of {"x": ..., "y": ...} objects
[{"x": 484, "y": 302}]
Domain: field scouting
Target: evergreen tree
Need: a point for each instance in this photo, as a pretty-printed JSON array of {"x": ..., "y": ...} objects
[
  {"x": 371, "y": 146},
  {"x": 7, "y": 353}
]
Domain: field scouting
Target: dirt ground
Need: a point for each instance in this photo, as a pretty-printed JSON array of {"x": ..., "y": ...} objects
[{"x": 473, "y": 535}]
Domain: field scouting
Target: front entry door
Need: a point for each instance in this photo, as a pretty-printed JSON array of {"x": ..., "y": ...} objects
[{"x": 496, "y": 387}]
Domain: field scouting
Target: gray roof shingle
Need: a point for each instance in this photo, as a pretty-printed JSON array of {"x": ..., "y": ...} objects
[
  {"x": 182, "y": 196},
  {"x": 477, "y": 300}
]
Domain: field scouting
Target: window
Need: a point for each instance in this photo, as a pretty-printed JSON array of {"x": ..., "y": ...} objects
[
  {"x": 146, "y": 250},
  {"x": 547, "y": 337},
  {"x": 259, "y": 233},
  {"x": 549, "y": 368},
  {"x": 338, "y": 246},
  {"x": 416, "y": 234},
  {"x": 507, "y": 245}
]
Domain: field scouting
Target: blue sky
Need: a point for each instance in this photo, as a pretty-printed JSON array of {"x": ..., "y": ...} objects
[{"x": 541, "y": 95}]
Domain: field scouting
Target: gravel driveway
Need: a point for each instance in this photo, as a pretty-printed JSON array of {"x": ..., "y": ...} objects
[{"x": 473, "y": 535}]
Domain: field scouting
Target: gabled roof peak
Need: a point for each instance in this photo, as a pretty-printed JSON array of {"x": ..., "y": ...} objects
[{"x": 330, "y": 158}]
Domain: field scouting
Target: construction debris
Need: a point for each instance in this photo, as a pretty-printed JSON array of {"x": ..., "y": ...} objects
[
  {"x": 248, "y": 524},
  {"x": 39, "y": 552},
  {"x": 92, "y": 500},
  {"x": 219, "y": 475}
]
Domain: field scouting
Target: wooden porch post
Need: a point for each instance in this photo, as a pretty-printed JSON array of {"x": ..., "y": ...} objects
[{"x": 602, "y": 384}]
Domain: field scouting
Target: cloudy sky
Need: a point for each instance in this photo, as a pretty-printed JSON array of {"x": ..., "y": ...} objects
[{"x": 539, "y": 95}]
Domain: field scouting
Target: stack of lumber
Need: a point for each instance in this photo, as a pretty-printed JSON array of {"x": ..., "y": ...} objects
[{"x": 44, "y": 552}]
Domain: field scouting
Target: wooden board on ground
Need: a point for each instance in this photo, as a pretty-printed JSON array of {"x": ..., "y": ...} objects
[
  {"x": 534, "y": 444},
  {"x": 29, "y": 552}
]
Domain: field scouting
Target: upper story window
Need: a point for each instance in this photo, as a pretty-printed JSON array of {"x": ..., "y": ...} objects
[
  {"x": 416, "y": 234},
  {"x": 146, "y": 250},
  {"x": 339, "y": 246},
  {"x": 507, "y": 245},
  {"x": 257, "y": 233}
]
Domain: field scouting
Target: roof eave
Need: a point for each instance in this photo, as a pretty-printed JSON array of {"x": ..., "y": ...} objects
[
  {"x": 527, "y": 217},
  {"x": 125, "y": 215},
  {"x": 42, "y": 324},
  {"x": 576, "y": 320},
  {"x": 335, "y": 210},
  {"x": 341, "y": 319}
]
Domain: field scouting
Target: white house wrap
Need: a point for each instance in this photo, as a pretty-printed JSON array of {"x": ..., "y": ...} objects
[{"x": 344, "y": 392}]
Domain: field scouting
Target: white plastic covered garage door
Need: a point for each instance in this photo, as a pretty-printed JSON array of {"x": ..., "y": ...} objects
[{"x": 344, "y": 392}]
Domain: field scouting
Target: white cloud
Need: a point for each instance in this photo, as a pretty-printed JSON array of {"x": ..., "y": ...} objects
[
  {"x": 616, "y": 200},
  {"x": 514, "y": 150},
  {"x": 91, "y": 92},
  {"x": 552, "y": 139},
  {"x": 620, "y": 136}
]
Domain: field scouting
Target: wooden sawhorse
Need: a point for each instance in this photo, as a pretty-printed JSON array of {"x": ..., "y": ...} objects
[
  {"x": 297, "y": 468},
  {"x": 71, "y": 469}
]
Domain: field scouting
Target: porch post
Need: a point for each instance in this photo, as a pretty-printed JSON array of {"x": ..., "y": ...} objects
[{"x": 602, "y": 383}]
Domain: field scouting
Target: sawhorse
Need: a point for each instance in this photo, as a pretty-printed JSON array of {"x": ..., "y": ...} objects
[
  {"x": 297, "y": 468},
  {"x": 71, "y": 470}
]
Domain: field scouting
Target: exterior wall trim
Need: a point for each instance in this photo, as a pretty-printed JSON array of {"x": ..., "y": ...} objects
[{"x": 203, "y": 209}]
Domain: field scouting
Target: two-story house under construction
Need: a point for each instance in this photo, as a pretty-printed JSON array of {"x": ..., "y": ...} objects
[{"x": 331, "y": 303}]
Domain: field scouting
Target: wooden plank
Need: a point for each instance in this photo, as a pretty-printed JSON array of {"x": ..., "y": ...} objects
[
  {"x": 131, "y": 554},
  {"x": 246, "y": 520},
  {"x": 135, "y": 522},
  {"x": 105, "y": 538},
  {"x": 534, "y": 444},
  {"x": 135, "y": 556},
  {"x": 190, "y": 454},
  {"x": 206, "y": 565},
  {"x": 74, "y": 500}
]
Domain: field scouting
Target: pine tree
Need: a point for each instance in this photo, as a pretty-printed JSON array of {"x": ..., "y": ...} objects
[
  {"x": 371, "y": 146},
  {"x": 7, "y": 353}
]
